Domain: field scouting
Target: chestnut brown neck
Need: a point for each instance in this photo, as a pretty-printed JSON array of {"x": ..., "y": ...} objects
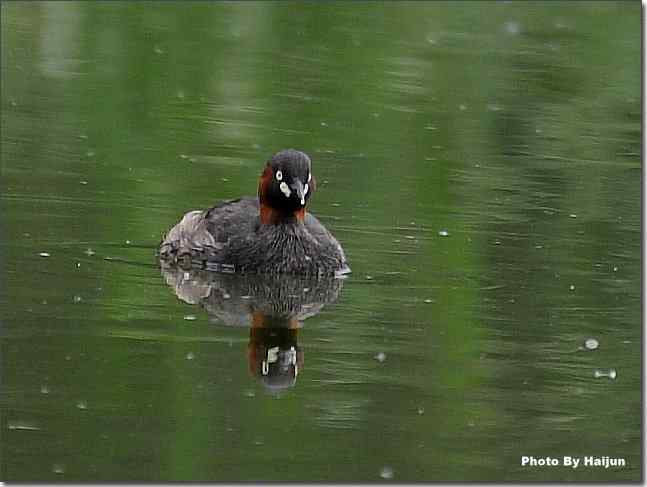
[{"x": 272, "y": 216}]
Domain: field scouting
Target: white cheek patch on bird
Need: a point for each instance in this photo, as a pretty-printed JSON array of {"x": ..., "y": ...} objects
[{"x": 285, "y": 189}]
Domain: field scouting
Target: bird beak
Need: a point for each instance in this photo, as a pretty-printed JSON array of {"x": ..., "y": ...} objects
[{"x": 298, "y": 187}]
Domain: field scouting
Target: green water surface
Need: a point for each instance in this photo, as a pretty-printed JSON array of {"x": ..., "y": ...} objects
[{"x": 479, "y": 162}]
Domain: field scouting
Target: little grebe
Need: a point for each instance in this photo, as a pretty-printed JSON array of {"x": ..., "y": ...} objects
[{"x": 270, "y": 234}]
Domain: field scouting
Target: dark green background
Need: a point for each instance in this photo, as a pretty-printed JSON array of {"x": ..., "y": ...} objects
[{"x": 514, "y": 126}]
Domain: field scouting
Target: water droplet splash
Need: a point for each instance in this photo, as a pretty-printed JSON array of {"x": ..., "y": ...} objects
[
  {"x": 386, "y": 472},
  {"x": 591, "y": 344},
  {"x": 22, "y": 425},
  {"x": 611, "y": 374},
  {"x": 512, "y": 28}
]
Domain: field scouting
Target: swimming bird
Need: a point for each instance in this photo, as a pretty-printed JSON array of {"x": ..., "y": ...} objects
[{"x": 271, "y": 233}]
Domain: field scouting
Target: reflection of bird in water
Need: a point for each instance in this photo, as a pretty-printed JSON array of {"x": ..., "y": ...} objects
[
  {"x": 269, "y": 234},
  {"x": 273, "y": 307},
  {"x": 274, "y": 357}
]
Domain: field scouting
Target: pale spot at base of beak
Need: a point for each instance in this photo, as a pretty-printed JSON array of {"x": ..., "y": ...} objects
[{"x": 285, "y": 189}]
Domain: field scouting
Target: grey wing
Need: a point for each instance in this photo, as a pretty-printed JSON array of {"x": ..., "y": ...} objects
[
  {"x": 188, "y": 235},
  {"x": 210, "y": 230},
  {"x": 322, "y": 235},
  {"x": 232, "y": 218}
]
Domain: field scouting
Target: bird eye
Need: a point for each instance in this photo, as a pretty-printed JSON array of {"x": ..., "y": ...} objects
[{"x": 279, "y": 175}]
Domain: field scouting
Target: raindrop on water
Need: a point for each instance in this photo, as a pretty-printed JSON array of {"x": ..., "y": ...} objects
[
  {"x": 591, "y": 344},
  {"x": 386, "y": 472},
  {"x": 22, "y": 425},
  {"x": 443, "y": 233},
  {"x": 512, "y": 27},
  {"x": 380, "y": 357},
  {"x": 611, "y": 374}
]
